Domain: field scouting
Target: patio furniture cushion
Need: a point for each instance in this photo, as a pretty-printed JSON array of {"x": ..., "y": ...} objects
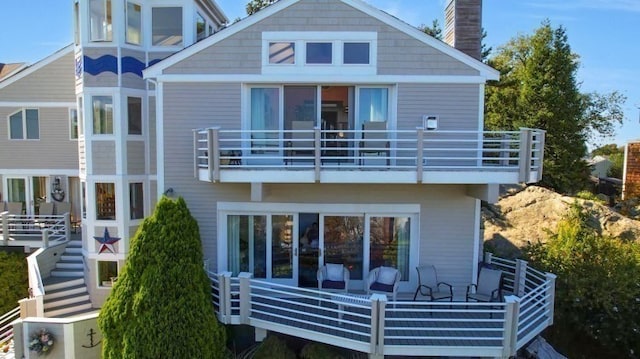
[
  {"x": 380, "y": 287},
  {"x": 387, "y": 276},
  {"x": 332, "y": 284},
  {"x": 335, "y": 272}
]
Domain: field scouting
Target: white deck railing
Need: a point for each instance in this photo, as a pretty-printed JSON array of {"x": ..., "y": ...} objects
[
  {"x": 373, "y": 325},
  {"x": 6, "y": 328},
  {"x": 521, "y": 152},
  {"x": 34, "y": 230}
]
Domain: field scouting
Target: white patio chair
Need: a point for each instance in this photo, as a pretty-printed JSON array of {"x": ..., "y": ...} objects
[
  {"x": 384, "y": 280},
  {"x": 334, "y": 277}
]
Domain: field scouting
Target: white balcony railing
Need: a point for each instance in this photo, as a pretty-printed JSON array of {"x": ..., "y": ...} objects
[
  {"x": 34, "y": 230},
  {"x": 374, "y": 325},
  {"x": 418, "y": 151}
]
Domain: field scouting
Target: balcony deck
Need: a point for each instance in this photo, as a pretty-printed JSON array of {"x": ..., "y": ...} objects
[
  {"x": 33, "y": 231},
  {"x": 374, "y": 325},
  {"x": 398, "y": 156}
]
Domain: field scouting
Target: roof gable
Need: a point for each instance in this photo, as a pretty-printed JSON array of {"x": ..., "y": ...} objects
[{"x": 413, "y": 38}]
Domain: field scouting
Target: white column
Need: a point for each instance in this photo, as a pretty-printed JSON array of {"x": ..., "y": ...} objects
[{"x": 245, "y": 297}]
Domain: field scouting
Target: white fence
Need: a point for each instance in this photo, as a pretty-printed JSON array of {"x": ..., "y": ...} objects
[
  {"x": 373, "y": 325},
  {"x": 34, "y": 230}
]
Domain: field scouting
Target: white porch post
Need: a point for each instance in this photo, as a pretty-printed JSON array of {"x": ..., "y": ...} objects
[
  {"x": 519, "y": 280},
  {"x": 67, "y": 226},
  {"x": 488, "y": 257},
  {"x": 420, "y": 154},
  {"x": 224, "y": 296},
  {"x": 551, "y": 296},
  {"x": 524, "y": 160},
  {"x": 317, "y": 153},
  {"x": 213, "y": 146},
  {"x": 245, "y": 297},
  {"x": 511, "y": 326},
  {"x": 45, "y": 238},
  {"x": 378, "y": 307},
  {"x": 4, "y": 226}
]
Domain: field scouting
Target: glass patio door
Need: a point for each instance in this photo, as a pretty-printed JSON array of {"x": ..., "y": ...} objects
[
  {"x": 342, "y": 241},
  {"x": 17, "y": 191},
  {"x": 265, "y": 123}
]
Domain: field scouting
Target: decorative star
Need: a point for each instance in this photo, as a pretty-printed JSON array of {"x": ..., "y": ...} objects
[{"x": 106, "y": 242}]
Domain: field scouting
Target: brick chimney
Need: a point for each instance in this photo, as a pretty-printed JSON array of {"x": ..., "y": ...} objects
[{"x": 463, "y": 26}]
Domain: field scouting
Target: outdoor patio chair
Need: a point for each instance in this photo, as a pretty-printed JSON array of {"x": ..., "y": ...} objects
[
  {"x": 14, "y": 208},
  {"x": 488, "y": 288},
  {"x": 333, "y": 277},
  {"x": 374, "y": 142},
  {"x": 62, "y": 208},
  {"x": 384, "y": 280},
  {"x": 429, "y": 286},
  {"x": 45, "y": 211}
]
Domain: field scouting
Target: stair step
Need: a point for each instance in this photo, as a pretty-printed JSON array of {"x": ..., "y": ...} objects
[
  {"x": 57, "y": 283},
  {"x": 68, "y": 309},
  {"x": 79, "y": 312},
  {"x": 73, "y": 250},
  {"x": 67, "y": 273},
  {"x": 71, "y": 258},
  {"x": 68, "y": 265},
  {"x": 67, "y": 300},
  {"x": 74, "y": 243},
  {"x": 63, "y": 292}
]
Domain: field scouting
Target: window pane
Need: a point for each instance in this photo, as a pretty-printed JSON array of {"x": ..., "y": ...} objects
[
  {"x": 299, "y": 105},
  {"x": 390, "y": 243},
  {"x": 282, "y": 53},
  {"x": 282, "y": 246},
  {"x": 343, "y": 243},
  {"x": 107, "y": 273},
  {"x": 136, "y": 201},
  {"x": 374, "y": 105},
  {"x": 84, "y": 199},
  {"x": 201, "y": 27},
  {"x": 134, "y": 113},
  {"x": 265, "y": 115},
  {"x": 356, "y": 53},
  {"x": 319, "y": 52},
  {"x": 33, "y": 127},
  {"x": 247, "y": 245},
  {"x": 73, "y": 123},
  {"x": 134, "y": 24},
  {"x": 166, "y": 26},
  {"x": 105, "y": 201},
  {"x": 100, "y": 20},
  {"x": 102, "y": 115},
  {"x": 15, "y": 126}
]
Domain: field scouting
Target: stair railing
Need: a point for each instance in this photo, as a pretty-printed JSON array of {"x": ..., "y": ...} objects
[{"x": 6, "y": 329}]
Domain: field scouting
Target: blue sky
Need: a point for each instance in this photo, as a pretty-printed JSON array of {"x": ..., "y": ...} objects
[{"x": 602, "y": 32}]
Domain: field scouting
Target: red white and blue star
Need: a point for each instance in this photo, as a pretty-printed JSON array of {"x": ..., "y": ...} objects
[{"x": 106, "y": 242}]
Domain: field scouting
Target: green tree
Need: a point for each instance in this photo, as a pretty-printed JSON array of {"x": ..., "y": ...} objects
[
  {"x": 597, "y": 291},
  {"x": 538, "y": 89},
  {"x": 434, "y": 30},
  {"x": 160, "y": 307},
  {"x": 14, "y": 280},
  {"x": 256, "y": 5}
]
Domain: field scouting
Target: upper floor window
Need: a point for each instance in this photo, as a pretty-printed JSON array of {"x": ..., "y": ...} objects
[
  {"x": 73, "y": 123},
  {"x": 134, "y": 115},
  {"x": 319, "y": 52},
  {"x": 356, "y": 53},
  {"x": 24, "y": 125},
  {"x": 282, "y": 53},
  {"x": 105, "y": 201},
  {"x": 201, "y": 27},
  {"x": 100, "y": 20},
  {"x": 102, "y": 115},
  {"x": 134, "y": 24},
  {"x": 166, "y": 26}
]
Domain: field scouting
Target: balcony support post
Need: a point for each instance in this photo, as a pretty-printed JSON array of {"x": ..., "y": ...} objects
[
  {"x": 4, "y": 226},
  {"x": 419, "y": 153},
  {"x": 510, "y": 341},
  {"x": 525, "y": 155},
  {"x": 378, "y": 306},
  {"x": 520, "y": 277},
  {"x": 317, "y": 145},
  {"x": 67, "y": 226},
  {"x": 245, "y": 297},
  {"x": 214, "y": 153},
  {"x": 224, "y": 297},
  {"x": 195, "y": 154},
  {"x": 45, "y": 238},
  {"x": 551, "y": 295},
  {"x": 541, "y": 138}
]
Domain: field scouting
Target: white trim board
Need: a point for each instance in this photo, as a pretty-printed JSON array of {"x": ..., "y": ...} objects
[
  {"x": 37, "y": 104},
  {"x": 486, "y": 72},
  {"x": 324, "y": 78},
  {"x": 336, "y": 208}
]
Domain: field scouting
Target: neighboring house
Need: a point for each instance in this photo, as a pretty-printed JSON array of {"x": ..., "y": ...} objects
[
  {"x": 599, "y": 166},
  {"x": 39, "y": 138}
]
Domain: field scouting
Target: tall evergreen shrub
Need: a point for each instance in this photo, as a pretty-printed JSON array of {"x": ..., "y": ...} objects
[{"x": 160, "y": 307}]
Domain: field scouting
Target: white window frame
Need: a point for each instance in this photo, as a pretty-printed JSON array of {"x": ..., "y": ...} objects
[
  {"x": 77, "y": 125},
  {"x": 23, "y": 112},
  {"x": 113, "y": 114},
  {"x": 182, "y": 33},
  {"x": 118, "y": 270},
  {"x": 126, "y": 27},
  {"x": 337, "y": 39}
]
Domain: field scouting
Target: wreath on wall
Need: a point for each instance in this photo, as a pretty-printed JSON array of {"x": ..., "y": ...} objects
[{"x": 41, "y": 342}]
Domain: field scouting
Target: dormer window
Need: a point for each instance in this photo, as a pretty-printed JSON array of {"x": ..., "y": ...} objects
[{"x": 166, "y": 26}]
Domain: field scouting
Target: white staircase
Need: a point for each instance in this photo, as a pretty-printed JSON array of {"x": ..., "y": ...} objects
[{"x": 65, "y": 290}]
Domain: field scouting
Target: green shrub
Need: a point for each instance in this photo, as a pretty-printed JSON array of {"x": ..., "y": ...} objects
[
  {"x": 160, "y": 307},
  {"x": 14, "y": 280},
  {"x": 598, "y": 287},
  {"x": 589, "y": 196},
  {"x": 273, "y": 347},
  {"x": 321, "y": 351}
]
